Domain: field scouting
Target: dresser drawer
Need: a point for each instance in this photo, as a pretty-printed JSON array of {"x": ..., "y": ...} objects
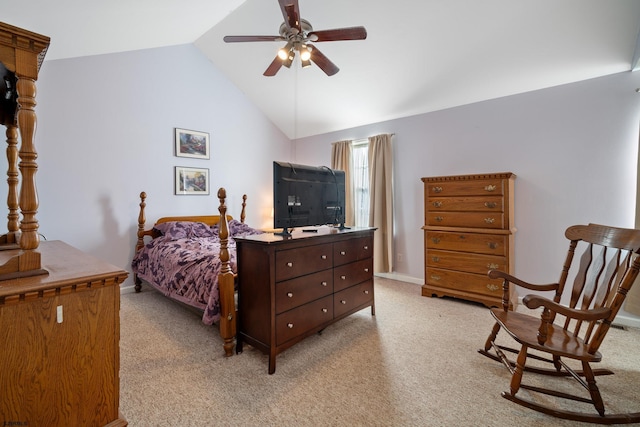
[
  {"x": 301, "y": 319},
  {"x": 350, "y": 274},
  {"x": 464, "y": 261},
  {"x": 294, "y": 292},
  {"x": 465, "y": 282},
  {"x": 491, "y": 187},
  {"x": 352, "y": 250},
  {"x": 490, "y": 244},
  {"x": 292, "y": 263},
  {"x": 470, "y": 203},
  {"x": 350, "y": 298},
  {"x": 467, "y": 219}
]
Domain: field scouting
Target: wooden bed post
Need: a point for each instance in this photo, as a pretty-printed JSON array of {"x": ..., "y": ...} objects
[{"x": 226, "y": 281}]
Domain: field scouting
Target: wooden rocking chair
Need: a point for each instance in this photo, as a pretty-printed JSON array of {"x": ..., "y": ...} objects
[{"x": 606, "y": 271}]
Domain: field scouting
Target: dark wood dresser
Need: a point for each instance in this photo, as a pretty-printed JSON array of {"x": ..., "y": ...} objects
[
  {"x": 468, "y": 230},
  {"x": 292, "y": 287},
  {"x": 59, "y": 342}
]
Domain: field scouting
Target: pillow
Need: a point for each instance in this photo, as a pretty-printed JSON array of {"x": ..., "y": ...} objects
[
  {"x": 184, "y": 229},
  {"x": 236, "y": 228}
]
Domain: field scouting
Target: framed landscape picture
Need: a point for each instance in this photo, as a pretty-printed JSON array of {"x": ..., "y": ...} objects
[
  {"x": 191, "y": 180},
  {"x": 191, "y": 143}
]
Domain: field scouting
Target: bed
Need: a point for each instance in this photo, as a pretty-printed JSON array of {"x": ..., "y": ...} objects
[{"x": 191, "y": 259}]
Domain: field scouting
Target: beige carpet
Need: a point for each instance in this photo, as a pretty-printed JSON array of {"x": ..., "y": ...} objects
[{"x": 412, "y": 364}]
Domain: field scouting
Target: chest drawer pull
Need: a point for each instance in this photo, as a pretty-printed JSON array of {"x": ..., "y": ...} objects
[
  {"x": 343, "y": 302},
  {"x": 343, "y": 277},
  {"x": 290, "y": 294},
  {"x": 366, "y": 248},
  {"x": 290, "y": 325},
  {"x": 366, "y": 270},
  {"x": 435, "y": 277},
  {"x": 435, "y": 240},
  {"x": 366, "y": 292},
  {"x": 323, "y": 257},
  {"x": 437, "y": 189},
  {"x": 492, "y": 245},
  {"x": 490, "y": 188},
  {"x": 324, "y": 310},
  {"x": 437, "y": 204},
  {"x": 435, "y": 258},
  {"x": 492, "y": 287},
  {"x": 490, "y": 205},
  {"x": 439, "y": 218},
  {"x": 289, "y": 264},
  {"x": 324, "y": 283},
  {"x": 492, "y": 266},
  {"x": 489, "y": 220}
]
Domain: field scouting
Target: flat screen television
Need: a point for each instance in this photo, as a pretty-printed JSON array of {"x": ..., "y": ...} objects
[{"x": 305, "y": 196}]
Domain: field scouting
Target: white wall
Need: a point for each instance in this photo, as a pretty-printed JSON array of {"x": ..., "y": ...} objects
[
  {"x": 106, "y": 132},
  {"x": 574, "y": 150}
]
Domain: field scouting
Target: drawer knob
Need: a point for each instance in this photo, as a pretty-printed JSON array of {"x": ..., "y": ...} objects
[
  {"x": 435, "y": 240},
  {"x": 437, "y": 189},
  {"x": 366, "y": 270},
  {"x": 435, "y": 277},
  {"x": 324, "y": 310},
  {"x": 492, "y": 245},
  {"x": 343, "y": 277},
  {"x": 437, "y": 204},
  {"x": 323, "y": 257},
  {"x": 290, "y": 294},
  {"x": 289, "y": 264},
  {"x": 492, "y": 266},
  {"x": 290, "y": 325},
  {"x": 366, "y": 248},
  {"x": 324, "y": 283},
  {"x": 489, "y": 220},
  {"x": 436, "y": 259},
  {"x": 366, "y": 292},
  {"x": 490, "y": 205},
  {"x": 343, "y": 302},
  {"x": 343, "y": 253},
  {"x": 439, "y": 219},
  {"x": 492, "y": 287},
  {"x": 490, "y": 188}
]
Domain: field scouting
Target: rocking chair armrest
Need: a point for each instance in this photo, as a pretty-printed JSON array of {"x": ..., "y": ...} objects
[
  {"x": 497, "y": 274},
  {"x": 535, "y": 301}
]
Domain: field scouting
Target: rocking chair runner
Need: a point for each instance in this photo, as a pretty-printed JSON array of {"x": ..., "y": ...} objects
[{"x": 606, "y": 271}]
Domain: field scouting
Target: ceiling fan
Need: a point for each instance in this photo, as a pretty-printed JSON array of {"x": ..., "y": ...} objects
[{"x": 299, "y": 35}]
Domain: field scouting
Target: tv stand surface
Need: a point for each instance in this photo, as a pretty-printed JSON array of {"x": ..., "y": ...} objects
[{"x": 291, "y": 287}]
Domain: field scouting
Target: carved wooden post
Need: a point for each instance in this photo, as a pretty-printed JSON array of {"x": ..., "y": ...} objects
[
  {"x": 12, "y": 180},
  {"x": 28, "y": 193}
]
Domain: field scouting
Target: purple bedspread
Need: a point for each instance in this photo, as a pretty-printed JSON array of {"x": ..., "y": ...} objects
[{"x": 183, "y": 263}]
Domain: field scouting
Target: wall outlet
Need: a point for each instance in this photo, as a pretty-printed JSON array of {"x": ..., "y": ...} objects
[{"x": 400, "y": 257}]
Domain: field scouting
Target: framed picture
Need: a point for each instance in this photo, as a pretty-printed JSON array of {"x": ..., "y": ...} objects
[
  {"x": 192, "y": 180},
  {"x": 191, "y": 143}
]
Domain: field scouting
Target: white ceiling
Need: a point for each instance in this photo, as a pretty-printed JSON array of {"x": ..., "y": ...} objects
[{"x": 419, "y": 56}]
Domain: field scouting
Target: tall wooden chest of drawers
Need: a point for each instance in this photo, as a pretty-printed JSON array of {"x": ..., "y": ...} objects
[
  {"x": 292, "y": 287},
  {"x": 468, "y": 230}
]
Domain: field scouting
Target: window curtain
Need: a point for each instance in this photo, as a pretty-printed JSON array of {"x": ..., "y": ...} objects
[
  {"x": 381, "y": 201},
  {"x": 341, "y": 155}
]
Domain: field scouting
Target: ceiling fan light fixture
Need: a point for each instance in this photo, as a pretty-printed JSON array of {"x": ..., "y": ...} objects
[
  {"x": 305, "y": 53},
  {"x": 289, "y": 59},
  {"x": 305, "y": 63}
]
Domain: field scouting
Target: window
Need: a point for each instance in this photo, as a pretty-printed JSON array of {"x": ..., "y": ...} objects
[{"x": 360, "y": 178}]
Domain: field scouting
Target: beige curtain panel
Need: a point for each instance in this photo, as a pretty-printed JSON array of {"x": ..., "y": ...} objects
[
  {"x": 341, "y": 160},
  {"x": 381, "y": 201}
]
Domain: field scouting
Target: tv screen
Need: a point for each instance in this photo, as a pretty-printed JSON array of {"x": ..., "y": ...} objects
[{"x": 307, "y": 195}]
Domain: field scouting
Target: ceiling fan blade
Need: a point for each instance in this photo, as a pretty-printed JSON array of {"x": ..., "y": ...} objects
[
  {"x": 291, "y": 13},
  {"x": 323, "y": 62},
  {"x": 350, "y": 33},
  {"x": 273, "y": 68},
  {"x": 236, "y": 39}
]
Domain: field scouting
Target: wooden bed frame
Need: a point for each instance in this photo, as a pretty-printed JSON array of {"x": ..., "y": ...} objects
[{"x": 226, "y": 279}]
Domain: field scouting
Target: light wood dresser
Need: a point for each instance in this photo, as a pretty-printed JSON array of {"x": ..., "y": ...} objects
[
  {"x": 293, "y": 287},
  {"x": 59, "y": 342},
  {"x": 468, "y": 230}
]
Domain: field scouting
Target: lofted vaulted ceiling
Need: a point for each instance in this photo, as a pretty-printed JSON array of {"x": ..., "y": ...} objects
[{"x": 419, "y": 55}]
